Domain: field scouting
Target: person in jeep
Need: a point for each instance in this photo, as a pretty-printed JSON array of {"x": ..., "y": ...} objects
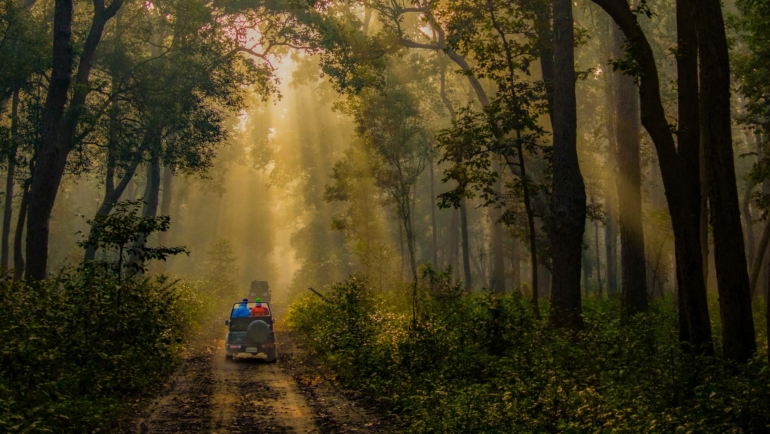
[
  {"x": 242, "y": 311},
  {"x": 259, "y": 310}
]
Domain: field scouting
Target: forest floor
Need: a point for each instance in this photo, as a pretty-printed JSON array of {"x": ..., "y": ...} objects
[{"x": 209, "y": 394}]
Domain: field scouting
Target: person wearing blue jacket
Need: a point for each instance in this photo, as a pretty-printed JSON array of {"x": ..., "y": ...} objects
[{"x": 242, "y": 311}]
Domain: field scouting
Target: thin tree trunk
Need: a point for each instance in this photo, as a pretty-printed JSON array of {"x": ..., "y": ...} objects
[
  {"x": 598, "y": 258},
  {"x": 629, "y": 184},
  {"x": 568, "y": 200},
  {"x": 454, "y": 245},
  {"x": 759, "y": 257},
  {"x": 531, "y": 230},
  {"x": 457, "y": 213},
  {"x": 497, "y": 277},
  {"x": 434, "y": 229},
  {"x": 738, "y": 335},
  {"x": 18, "y": 239},
  {"x": 610, "y": 252},
  {"x": 165, "y": 205},
  {"x": 401, "y": 248},
  {"x": 466, "y": 246},
  {"x": 515, "y": 265},
  {"x": 748, "y": 223},
  {"x": 152, "y": 188},
  {"x": 151, "y": 198},
  {"x": 611, "y": 190},
  {"x": 9, "y": 183},
  {"x": 545, "y": 49}
]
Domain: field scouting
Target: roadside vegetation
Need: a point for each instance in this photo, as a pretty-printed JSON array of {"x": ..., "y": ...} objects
[
  {"x": 75, "y": 348},
  {"x": 480, "y": 363}
]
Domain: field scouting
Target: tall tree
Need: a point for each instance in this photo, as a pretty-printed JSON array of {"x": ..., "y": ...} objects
[
  {"x": 673, "y": 171},
  {"x": 738, "y": 337},
  {"x": 688, "y": 134},
  {"x": 629, "y": 185},
  {"x": 568, "y": 197},
  {"x": 58, "y": 130}
]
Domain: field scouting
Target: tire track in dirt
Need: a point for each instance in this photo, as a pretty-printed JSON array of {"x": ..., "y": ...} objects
[{"x": 210, "y": 394}]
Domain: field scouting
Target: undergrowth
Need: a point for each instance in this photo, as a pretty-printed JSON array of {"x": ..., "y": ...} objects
[
  {"x": 74, "y": 348},
  {"x": 476, "y": 363}
]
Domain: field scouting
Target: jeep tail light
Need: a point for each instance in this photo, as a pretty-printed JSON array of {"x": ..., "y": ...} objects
[
  {"x": 234, "y": 346},
  {"x": 268, "y": 346}
]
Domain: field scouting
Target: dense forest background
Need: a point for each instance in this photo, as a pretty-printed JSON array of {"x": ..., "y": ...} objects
[{"x": 528, "y": 189}]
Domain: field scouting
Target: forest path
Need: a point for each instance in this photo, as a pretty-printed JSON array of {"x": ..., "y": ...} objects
[{"x": 209, "y": 394}]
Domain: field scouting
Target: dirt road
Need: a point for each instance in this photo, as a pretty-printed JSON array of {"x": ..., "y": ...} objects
[{"x": 209, "y": 394}]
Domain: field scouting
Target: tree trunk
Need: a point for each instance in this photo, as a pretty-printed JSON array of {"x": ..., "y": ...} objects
[
  {"x": 515, "y": 265},
  {"x": 454, "y": 245},
  {"x": 152, "y": 188},
  {"x": 18, "y": 252},
  {"x": 738, "y": 336},
  {"x": 497, "y": 278},
  {"x": 610, "y": 257},
  {"x": 611, "y": 190},
  {"x": 434, "y": 229},
  {"x": 57, "y": 130},
  {"x": 748, "y": 224},
  {"x": 568, "y": 200},
  {"x": 165, "y": 206},
  {"x": 466, "y": 245},
  {"x": 598, "y": 258},
  {"x": 545, "y": 49},
  {"x": 675, "y": 179},
  {"x": 531, "y": 230},
  {"x": 629, "y": 184},
  {"x": 151, "y": 198},
  {"x": 688, "y": 135},
  {"x": 9, "y": 183},
  {"x": 759, "y": 257}
]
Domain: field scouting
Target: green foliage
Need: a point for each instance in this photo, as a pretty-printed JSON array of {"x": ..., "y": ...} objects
[
  {"x": 72, "y": 348},
  {"x": 122, "y": 233},
  {"x": 474, "y": 363}
]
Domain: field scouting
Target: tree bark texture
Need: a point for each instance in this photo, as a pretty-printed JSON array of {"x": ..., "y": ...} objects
[
  {"x": 568, "y": 200},
  {"x": 738, "y": 336},
  {"x": 686, "y": 239},
  {"x": 51, "y": 157},
  {"x": 629, "y": 185}
]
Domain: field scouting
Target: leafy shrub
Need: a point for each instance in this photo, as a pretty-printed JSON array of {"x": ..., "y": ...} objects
[
  {"x": 476, "y": 363},
  {"x": 74, "y": 346}
]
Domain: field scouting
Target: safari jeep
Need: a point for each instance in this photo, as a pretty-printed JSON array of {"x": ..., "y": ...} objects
[{"x": 251, "y": 335}]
